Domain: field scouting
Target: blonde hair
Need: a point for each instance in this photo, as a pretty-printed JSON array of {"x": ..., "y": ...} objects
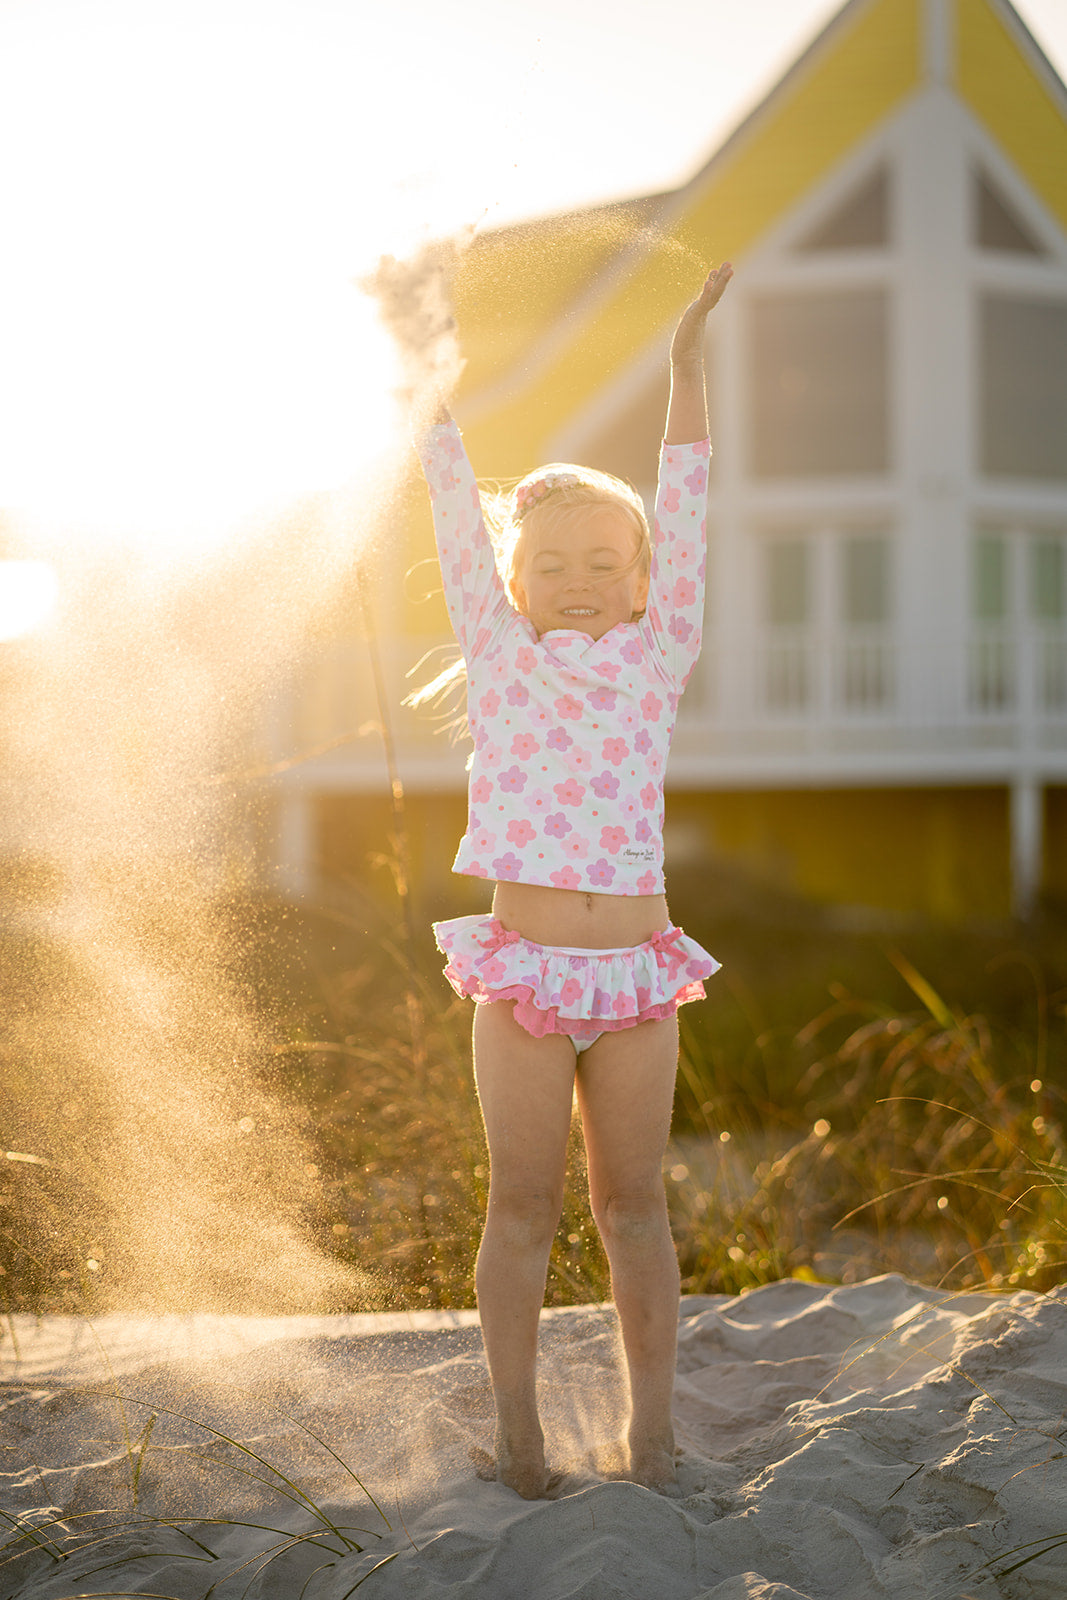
[
  {"x": 537, "y": 502},
  {"x": 544, "y": 497}
]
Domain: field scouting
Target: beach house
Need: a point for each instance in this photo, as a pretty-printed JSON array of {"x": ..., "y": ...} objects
[{"x": 879, "y": 718}]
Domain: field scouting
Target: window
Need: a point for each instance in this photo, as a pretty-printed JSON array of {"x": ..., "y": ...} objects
[
  {"x": 827, "y": 609},
  {"x": 1023, "y": 383},
  {"x": 865, "y": 575},
  {"x": 997, "y": 225},
  {"x": 1018, "y": 652},
  {"x": 860, "y": 223},
  {"x": 991, "y": 667},
  {"x": 1046, "y": 579},
  {"x": 787, "y": 582},
  {"x": 865, "y": 677},
  {"x": 819, "y": 375},
  {"x": 989, "y": 579},
  {"x": 787, "y": 610},
  {"x": 626, "y": 441},
  {"x": 1048, "y": 609}
]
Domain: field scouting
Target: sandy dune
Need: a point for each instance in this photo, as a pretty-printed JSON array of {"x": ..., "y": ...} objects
[{"x": 881, "y": 1439}]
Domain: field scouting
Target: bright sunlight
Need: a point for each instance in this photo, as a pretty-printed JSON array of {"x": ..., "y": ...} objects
[
  {"x": 28, "y": 594},
  {"x": 189, "y": 346}
]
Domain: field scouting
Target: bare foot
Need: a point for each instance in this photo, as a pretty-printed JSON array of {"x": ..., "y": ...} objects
[
  {"x": 529, "y": 1485},
  {"x": 519, "y": 1448},
  {"x": 652, "y": 1464}
]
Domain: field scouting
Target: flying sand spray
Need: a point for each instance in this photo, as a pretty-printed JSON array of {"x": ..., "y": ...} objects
[
  {"x": 134, "y": 1067},
  {"x": 136, "y": 1070}
]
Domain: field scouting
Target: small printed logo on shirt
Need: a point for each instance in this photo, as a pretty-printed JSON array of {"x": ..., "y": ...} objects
[{"x": 639, "y": 855}]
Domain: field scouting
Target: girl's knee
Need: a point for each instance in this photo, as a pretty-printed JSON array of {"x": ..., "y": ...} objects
[
  {"x": 529, "y": 1214},
  {"x": 633, "y": 1213}
]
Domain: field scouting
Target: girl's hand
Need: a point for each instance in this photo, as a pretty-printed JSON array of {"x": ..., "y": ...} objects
[
  {"x": 688, "y": 342},
  {"x": 687, "y": 409}
]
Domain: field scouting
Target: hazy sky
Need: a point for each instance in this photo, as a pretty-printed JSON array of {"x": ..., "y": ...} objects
[{"x": 189, "y": 187}]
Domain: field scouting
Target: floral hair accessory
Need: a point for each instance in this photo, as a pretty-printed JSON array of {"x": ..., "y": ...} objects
[{"x": 532, "y": 492}]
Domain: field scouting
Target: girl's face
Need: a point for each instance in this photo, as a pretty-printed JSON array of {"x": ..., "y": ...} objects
[{"x": 579, "y": 572}]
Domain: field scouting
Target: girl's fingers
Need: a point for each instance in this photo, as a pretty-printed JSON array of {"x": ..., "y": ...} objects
[
  {"x": 690, "y": 328},
  {"x": 715, "y": 284},
  {"x": 712, "y": 292}
]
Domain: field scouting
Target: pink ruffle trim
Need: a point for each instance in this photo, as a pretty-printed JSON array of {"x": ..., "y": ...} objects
[{"x": 556, "y": 991}]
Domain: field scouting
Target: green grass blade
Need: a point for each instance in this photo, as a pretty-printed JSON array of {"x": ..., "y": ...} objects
[
  {"x": 141, "y": 1555},
  {"x": 326, "y": 1565},
  {"x": 384, "y": 1562},
  {"x": 301, "y": 1497},
  {"x": 324, "y": 1444},
  {"x": 119, "y": 1594},
  {"x": 30, "y": 1533},
  {"x": 922, "y": 990},
  {"x": 1051, "y": 1541},
  {"x": 273, "y": 1555}
]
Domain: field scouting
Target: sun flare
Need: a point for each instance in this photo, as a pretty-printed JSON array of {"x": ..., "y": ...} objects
[
  {"x": 28, "y": 594},
  {"x": 190, "y": 347},
  {"x": 181, "y": 427}
]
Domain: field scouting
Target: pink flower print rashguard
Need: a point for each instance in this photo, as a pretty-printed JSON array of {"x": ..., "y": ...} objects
[{"x": 571, "y": 734}]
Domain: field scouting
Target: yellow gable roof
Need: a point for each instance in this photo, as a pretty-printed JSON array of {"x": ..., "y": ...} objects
[
  {"x": 1006, "y": 82},
  {"x": 516, "y": 283},
  {"x": 551, "y": 311},
  {"x": 647, "y": 265}
]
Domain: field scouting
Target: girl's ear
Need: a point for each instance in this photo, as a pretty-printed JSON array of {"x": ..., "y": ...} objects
[
  {"x": 642, "y": 595},
  {"x": 518, "y": 594}
]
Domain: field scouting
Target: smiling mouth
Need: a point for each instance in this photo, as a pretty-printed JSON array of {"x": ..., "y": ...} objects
[{"x": 578, "y": 611}]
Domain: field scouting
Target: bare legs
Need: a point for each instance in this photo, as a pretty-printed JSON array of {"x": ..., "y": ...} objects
[
  {"x": 525, "y": 1087},
  {"x": 625, "y": 1091}
]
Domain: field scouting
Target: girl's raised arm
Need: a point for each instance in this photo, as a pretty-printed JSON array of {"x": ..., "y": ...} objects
[{"x": 687, "y": 410}]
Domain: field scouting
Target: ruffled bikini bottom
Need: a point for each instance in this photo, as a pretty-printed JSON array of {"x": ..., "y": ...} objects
[{"x": 582, "y": 993}]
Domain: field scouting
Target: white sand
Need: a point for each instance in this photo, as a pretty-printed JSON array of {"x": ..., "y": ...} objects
[{"x": 881, "y": 1439}]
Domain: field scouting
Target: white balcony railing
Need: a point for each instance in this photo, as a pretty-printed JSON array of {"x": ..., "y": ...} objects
[
  {"x": 808, "y": 702},
  {"x": 1025, "y": 672},
  {"x": 803, "y": 674}
]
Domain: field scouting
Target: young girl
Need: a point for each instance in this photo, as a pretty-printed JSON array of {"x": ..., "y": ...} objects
[{"x": 575, "y": 659}]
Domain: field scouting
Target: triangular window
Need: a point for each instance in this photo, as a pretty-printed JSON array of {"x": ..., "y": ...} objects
[
  {"x": 627, "y": 445},
  {"x": 997, "y": 224},
  {"x": 860, "y": 223}
]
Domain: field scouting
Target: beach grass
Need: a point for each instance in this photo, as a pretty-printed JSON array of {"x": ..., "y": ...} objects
[
  {"x": 845, "y": 1107},
  {"x": 385, "y": 1073},
  {"x": 891, "y": 1125},
  {"x": 87, "y": 1544},
  {"x": 886, "y": 1130},
  {"x": 924, "y": 1157}
]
